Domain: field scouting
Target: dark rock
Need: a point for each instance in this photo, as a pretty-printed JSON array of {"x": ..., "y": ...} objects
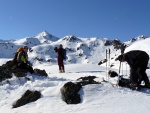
[
  {"x": 5, "y": 70},
  {"x": 70, "y": 94},
  {"x": 87, "y": 80},
  {"x": 71, "y": 38},
  {"x": 108, "y": 43},
  {"x": 102, "y": 61},
  {"x": 40, "y": 72},
  {"x": 39, "y": 59},
  {"x": 111, "y": 65},
  {"x": 27, "y": 97},
  {"x": 116, "y": 44},
  {"x": 112, "y": 73},
  {"x": 10, "y": 68},
  {"x": 70, "y": 90}
]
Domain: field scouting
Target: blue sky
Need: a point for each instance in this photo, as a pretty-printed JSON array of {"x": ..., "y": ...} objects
[{"x": 121, "y": 19}]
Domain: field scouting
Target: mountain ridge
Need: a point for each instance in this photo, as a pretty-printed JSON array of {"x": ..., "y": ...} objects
[{"x": 79, "y": 50}]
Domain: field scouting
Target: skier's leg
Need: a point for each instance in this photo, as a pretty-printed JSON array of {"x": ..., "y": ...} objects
[
  {"x": 59, "y": 65},
  {"x": 142, "y": 73},
  {"x": 133, "y": 75},
  {"x": 62, "y": 66}
]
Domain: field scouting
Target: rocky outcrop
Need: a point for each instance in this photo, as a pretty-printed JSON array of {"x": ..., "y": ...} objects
[
  {"x": 102, "y": 61},
  {"x": 69, "y": 91},
  {"x": 87, "y": 80},
  {"x": 112, "y": 73},
  {"x": 116, "y": 43},
  {"x": 9, "y": 69},
  {"x": 40, "y": 72},
  {"x": 72, "y": 38},
  {"x": 27, "y": 97}
]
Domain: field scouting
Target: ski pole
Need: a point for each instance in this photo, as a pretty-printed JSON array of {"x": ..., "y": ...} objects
[
  {"x": 119, "y": 67},
  {"x": 119, "y": 73},
  {"x": 122, "y": 68},
  {"x": 109, "y": 63},
  {"x": 126, "y": 69},
  {"x": 109, "y": 57},
  {"x": 106, "y": 63}
]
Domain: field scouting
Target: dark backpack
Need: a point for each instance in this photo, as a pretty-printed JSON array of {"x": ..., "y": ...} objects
[{"x": 64, "y": 54}]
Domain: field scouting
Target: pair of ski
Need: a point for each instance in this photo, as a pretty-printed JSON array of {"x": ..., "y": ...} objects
[
  {"x": 108, "y": 52},
  {"x": 107, "y": 62}
]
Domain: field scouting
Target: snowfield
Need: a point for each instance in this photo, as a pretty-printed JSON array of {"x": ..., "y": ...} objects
[{"x": 96, "y": 98}]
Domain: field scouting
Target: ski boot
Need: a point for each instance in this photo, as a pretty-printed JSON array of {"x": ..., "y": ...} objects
[{"x": 134, "y": 86}]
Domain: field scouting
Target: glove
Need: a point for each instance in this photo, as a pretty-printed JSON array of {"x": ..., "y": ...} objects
[
  {"x": 120, "y": 57},
  {"x": 30, "y": 64},
  {"x": 55, "y": 49},
  {"x": 116, "y": 59}
]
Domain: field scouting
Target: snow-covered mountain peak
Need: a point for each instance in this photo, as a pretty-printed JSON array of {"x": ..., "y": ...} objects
[
  {"x": 71, "y": 38},
  {"x": 79, "y": 50},
  {"x": 141, "y": 37},
  {"x": 43, "y": 34},
  {"x": 46, "y": 37}
]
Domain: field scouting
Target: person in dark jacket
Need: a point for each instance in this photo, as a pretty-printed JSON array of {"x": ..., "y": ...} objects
[
  {"x": 22, "y": 60},
  {"x": 137, "y": 61},
  {"x": 123, "y": 46},
  {"x": 60, "y": 58}
]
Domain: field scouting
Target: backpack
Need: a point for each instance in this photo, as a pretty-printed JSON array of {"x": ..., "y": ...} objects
[
  {"x": 16, "y": 54},
  {"x": 64, "y": 54},
  {"x": 19, "y": 49}
]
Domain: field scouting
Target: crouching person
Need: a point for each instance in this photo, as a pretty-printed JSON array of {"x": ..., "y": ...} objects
[
  {"x": 22, "y": 60},
  {"x": 138, "y": 61}
]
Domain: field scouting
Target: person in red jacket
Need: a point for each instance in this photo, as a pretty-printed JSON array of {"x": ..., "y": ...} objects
[{"x": 60, "y": 58}]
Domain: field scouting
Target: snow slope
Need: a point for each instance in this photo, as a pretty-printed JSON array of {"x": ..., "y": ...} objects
[{"x": 96, "y": 98}]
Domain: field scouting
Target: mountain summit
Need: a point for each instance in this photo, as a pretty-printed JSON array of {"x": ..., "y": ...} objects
[{"x": 46, "y": 37}]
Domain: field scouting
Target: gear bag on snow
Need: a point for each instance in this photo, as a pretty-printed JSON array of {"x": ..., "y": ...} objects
[{"x": 16, "y": 54}]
